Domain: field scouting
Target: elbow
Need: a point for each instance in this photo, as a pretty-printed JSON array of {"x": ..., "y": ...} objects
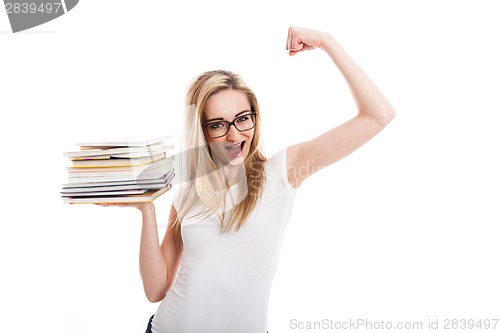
[
  {"x": 391, "y": 113},
  {"x": 385, "y": 116},
  {"x": 155, "y": 296},
  {"x": 380, "y": 115}
]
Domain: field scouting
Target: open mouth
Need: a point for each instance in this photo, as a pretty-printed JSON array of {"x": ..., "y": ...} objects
[{"x": 236, "y": 150}]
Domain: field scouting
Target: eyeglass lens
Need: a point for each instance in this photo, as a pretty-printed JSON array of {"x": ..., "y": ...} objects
[{"x": 220, "y": 128}]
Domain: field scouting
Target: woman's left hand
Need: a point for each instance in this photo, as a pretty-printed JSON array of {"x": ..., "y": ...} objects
[{"x": 300, "y": 39}]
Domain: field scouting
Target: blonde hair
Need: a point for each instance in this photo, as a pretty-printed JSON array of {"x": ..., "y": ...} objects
[{"x": 204, "y": 179}]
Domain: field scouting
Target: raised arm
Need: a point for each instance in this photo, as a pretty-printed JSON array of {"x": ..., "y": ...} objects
[{"x": 374, "y": 111}]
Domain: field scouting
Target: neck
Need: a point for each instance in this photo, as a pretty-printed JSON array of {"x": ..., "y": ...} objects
[{"x": 234, "y": 174}]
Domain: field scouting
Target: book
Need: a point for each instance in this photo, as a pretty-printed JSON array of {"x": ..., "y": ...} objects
[
  {"x": 103, "y": 193},
  {"x": 112, "y": 178},
  {"x": 124, "y": 142},
  {"x": 67, "y": 191},
  {"x": 138, "y": 183},
  {"x": 154, "y": 170},
  {"x": 118, "y": 171},
  {"x": 119, "y": 151},
  {"x": 147, "y": 196},
  {"x": 117, "y": 162},
  {"x": 134, "y": 168}
]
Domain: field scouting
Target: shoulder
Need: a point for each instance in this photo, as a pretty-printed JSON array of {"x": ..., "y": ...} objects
[
  {"x": 276, "y": 169},
  {"x": 277, "y": 158}
]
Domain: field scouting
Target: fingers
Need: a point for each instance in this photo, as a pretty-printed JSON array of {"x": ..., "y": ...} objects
[
  {"x": 300, "y": 39},
  {"x": 289, "y": 39},
  {"x": 293, "y": 41},
  {"x": 287, "y": 47},
  {"x": 120, "y": 204}
]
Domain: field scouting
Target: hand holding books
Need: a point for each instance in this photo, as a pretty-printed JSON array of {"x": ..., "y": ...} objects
[{"x": 138, "y": 205}]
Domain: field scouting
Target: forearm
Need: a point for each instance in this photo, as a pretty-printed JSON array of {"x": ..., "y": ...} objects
[
  {"x": 369, "y": 99},
  {"x": 152, "y": 264}
]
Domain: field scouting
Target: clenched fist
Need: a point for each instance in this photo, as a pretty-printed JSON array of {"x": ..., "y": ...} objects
[{"x": 300, "y": 39}]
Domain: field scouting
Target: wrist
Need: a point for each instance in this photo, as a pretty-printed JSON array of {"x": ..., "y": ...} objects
[
  {"x": 148, "y": 215},
  {"x": 147, "y": 208},
  {"x": 326, "y": 41}
]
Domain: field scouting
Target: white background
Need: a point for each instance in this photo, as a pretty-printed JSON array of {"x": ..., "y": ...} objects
[{"x": 404, "y": 229}]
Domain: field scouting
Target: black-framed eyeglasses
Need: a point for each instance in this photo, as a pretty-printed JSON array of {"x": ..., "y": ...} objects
[{"x": 219, "y": 128}]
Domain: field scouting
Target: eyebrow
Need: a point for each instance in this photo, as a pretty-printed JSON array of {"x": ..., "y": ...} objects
[{"x": 236, "y": 116}]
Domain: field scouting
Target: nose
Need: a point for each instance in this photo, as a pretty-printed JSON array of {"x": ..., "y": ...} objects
[{"x": 233, "y": 134}]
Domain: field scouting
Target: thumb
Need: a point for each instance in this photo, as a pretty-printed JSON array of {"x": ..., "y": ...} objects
[
  {"x": 297, "y": 45},
  {"x": 294, "y": 43}
]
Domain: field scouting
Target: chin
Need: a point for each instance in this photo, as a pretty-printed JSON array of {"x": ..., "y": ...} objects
[{"x": 237, "y": 161}]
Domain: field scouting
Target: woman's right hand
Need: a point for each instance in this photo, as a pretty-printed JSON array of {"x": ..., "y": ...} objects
[{"x": 139, "y": 205}]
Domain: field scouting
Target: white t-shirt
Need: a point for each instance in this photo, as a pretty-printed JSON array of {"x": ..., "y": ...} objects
[{"x": 224, "y": 280}]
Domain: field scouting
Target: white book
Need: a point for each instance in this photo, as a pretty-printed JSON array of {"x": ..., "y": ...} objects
[
  {"x": 120, "y": 151},
  {"x": 125, "y": 142},
  {"x": 103, "y": 193},
  {"x": 118, "y": 162},
  {"x": 117, "y": 173},
  {"x": 94, "y": 189},
  {"x": 147, "y": 196},
  {"x": 142, "y": 183}
]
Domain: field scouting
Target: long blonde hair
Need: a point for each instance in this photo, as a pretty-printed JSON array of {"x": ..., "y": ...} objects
[{"x": 199, "y": 171}]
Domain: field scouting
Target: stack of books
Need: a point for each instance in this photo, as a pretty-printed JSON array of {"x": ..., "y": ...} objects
[{"x": 119, "y": 171}]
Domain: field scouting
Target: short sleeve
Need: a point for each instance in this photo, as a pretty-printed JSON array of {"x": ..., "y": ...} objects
[{"x": 278, "y": 170}]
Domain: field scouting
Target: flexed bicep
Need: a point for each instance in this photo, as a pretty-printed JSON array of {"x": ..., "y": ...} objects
[
  {"x": 308, "y": 157},
  {"x": 374, "y": 111}
]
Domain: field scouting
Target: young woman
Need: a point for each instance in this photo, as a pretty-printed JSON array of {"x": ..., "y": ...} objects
[{"x": 214, "y": 268}]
